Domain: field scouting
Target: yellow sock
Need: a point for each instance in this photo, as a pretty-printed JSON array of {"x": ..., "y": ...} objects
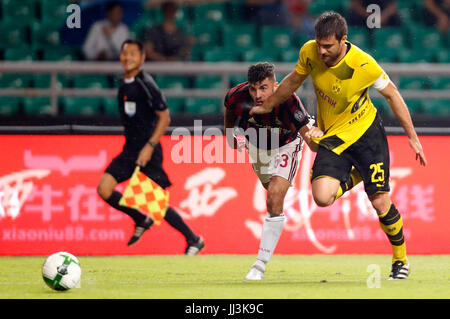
[
  {"x": 392, "y": 224},
  {"x": 354, "y": 179}
]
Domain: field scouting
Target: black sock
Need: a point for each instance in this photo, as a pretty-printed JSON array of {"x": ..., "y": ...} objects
[
  {"x": 114, "y": 199},
  {"x": 175, "y": 220}
]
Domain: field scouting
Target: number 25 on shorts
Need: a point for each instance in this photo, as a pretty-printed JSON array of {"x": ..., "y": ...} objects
[{"x": 377, "y": 173}]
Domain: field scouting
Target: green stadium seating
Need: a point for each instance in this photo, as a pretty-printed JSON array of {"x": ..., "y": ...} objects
[
  {"x": 110, "y": 106},
  {"x": 9, "y": 105},
  {"x": 239, "y": 37},
  {"x": 172, "y": 82},
  {"x": 15, "y": 81},
  {"x": 203, "y": 106},
  {"x": 317, "y": 7},
  {"x": 237, "y": 79},
  {"x": 257, "y": 55},
  {"x": 211, "y": 13},
  {"x": 37, "y": 106},
  {"x": 389, "y": 38},
  {"x": 208, "y": 82},
  {"x": 382, "y": 106},
  {"x": 440, "y": 83},
  {"x": 414, "y": 106},
  {"x": 426, "y": 38},
  {"x": 206, "y": 36},
  {"x": 20, "y": 54},
  {"x": 12, "y": 36},
  {"x": 220, "y": 55},
  {"x": 176, "y": 104},
  {"x": 23, "y": 10},
  {"x": 289, "y": 55},
  {"x": 275, "y": 38},
  {"x": 385, "y": 55},
  {"x": 43, "y": 81},
  {"x": 90, "y": 81},
  {"x": 81, "y": 106},
  {"x": 436, "y": 107},
  {"x": 359, "y": 37},
  {"x": 414, "y": 83},
  {"x": 44, "y": 35},
  {"x": 53, "y": 12},
  {"x": 59, "y": 53},
  {"x": 415, "y": 56}
]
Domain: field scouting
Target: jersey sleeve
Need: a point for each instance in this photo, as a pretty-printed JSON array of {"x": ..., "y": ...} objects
[
  {"x": 373, "y": 74},
  {"x": 154, "y": 95},
  {"x": 297, "y": 116},
  {"x": 301, "y": 67}
]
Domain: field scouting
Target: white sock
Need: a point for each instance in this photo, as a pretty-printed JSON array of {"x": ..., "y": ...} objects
[{"x": 271, "y": 232}]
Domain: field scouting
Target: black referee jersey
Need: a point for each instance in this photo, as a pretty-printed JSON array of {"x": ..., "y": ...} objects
[{"x": 138, "y": 99}]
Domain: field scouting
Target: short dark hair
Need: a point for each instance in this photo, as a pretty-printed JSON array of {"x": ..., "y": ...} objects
[
  {"x": 133, "y": 41},
  {"x": 330, "y": 23},
  {"x": 112, "y": 4},
  {"x": 259, "y": 71}
]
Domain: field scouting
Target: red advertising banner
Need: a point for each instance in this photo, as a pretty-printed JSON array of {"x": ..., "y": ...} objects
[{"x": 48, "y": 201}]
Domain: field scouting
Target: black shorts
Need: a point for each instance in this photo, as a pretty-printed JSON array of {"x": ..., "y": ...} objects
[
  {"x": 124, "y": 164},
  {"x": 369, "y": 155}
]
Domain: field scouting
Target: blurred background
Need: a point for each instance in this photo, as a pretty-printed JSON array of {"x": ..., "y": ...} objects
[{"x": 59, "y": 70}]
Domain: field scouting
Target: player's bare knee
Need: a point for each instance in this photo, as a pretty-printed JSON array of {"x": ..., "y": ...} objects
[
  {"x": 381, "y": 202},
  {"x": 323, "y": 199}
]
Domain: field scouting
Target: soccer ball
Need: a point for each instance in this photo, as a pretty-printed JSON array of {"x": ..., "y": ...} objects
[{"x": 61, "y": 271}]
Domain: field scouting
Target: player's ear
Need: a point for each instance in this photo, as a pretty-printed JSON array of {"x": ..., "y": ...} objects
[{"x": 344, "y": 38}]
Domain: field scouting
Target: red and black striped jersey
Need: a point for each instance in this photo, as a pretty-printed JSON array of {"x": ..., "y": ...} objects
[{"x": 283, "y": 122}]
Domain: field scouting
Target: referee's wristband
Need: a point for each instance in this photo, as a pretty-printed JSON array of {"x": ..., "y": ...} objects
[{"x": 151, "y": 144}]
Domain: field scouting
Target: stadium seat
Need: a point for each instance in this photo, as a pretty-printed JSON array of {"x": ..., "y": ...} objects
[
  {"x": 44, "y": 35},
  {"x": 172, "y": 82},
  {"x": 414, "y": 106},
  {"x": 359, "y": 37},
  {"x": 20, "y": 54},
  {"x": 43, "y": 81},
  {"x": 37, "y": 106},
  {"x": 385, "y": 55},
  {"x": 81, "y": 106},
  {"x": 239, "y": 37},
  {"x": 436, "y": 107},
  {"x": 91, "y": 81},
  {"x": 206, "y": 36},
  {"x": 9, "y": 105},
  {"x": 208, "y": 82},
  {"x": 23, "y": 10},
  {"x": 15, "y": 81},
  {"x": 257, "y": 55},
  {"x": 176, "y": 105},
  {"x": 440, "y": 83},
  {"x": 110, "y": 106},
  {"x": 289, "y": 56},
  {"x": 12, "y": 36},
  {"x": 426, "y": 38},
  {"x": 389, "y": 38},
  {"x": 278, "y": 38},
  {"x": 220, "y": 55},
  {"x": 59, "y": 53},
  {"x": 414, "y": 83},
  {"x": 237, "y": 79},
  {"x": 415, "y": 56},
  {"x": 210, "y": 13},
  {"x": 203, "y": 106},
  {"x": 382, "y": 106},
  {"x": 317, "y": 7},
  {"x": 53, "y": 12}
]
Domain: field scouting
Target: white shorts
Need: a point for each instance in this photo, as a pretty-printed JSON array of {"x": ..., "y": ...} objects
[{"x": 281, "y": 162}]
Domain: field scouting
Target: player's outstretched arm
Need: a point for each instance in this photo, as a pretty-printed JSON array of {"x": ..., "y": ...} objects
[
  {"x": 289, "y": 85},
  {"x": 401, "y": 112}
]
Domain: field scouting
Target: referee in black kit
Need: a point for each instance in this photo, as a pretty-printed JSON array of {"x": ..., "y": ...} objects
[{"x": 145, "y": 117}]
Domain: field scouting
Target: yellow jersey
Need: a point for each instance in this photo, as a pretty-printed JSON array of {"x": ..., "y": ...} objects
[{"x": 344, "y": 109}]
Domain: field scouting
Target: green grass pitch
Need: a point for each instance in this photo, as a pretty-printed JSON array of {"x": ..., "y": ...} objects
[{"x": 221, "y": 277}]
